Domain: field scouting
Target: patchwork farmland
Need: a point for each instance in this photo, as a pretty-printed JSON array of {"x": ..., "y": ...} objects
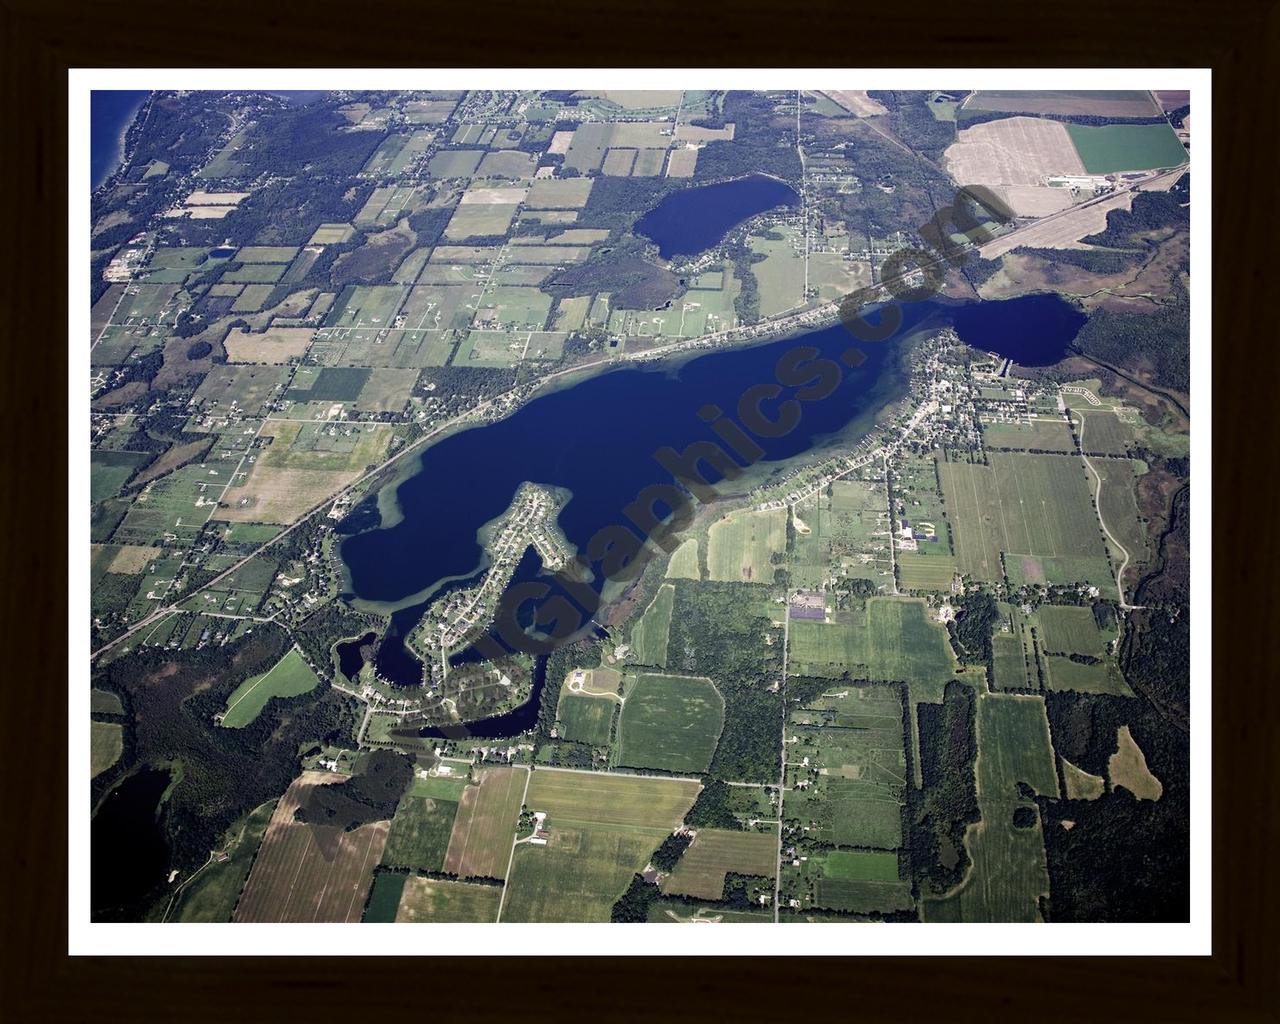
[{"x": 310, "y": 873}]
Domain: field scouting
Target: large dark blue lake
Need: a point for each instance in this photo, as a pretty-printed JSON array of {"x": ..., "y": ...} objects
[
  {"x": 694, "y": 219},
  {"x": 597, "y": 439}
]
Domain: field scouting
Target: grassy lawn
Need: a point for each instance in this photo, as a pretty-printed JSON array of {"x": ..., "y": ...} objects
[{"x": 290, "y": 677}]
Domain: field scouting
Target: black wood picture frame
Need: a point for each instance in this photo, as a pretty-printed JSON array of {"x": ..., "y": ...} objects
[{"x": 40, "y": 41}]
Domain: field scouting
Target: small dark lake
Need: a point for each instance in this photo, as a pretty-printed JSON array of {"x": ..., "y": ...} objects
[
  {"x": 597, "y": 440},
  {"x": 1032, "y": 330},
  {"x": 350, "y": 660},
  {"x": 130, "y": 856},
  {"x": 692, "y": 220}
]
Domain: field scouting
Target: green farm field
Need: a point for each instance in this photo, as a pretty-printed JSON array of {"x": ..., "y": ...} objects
[
  {"x": 1035, "y": 509},
  {"x": 578, "y": 875},
  {"x": 671, "y": 723},
  {"x": 700, "y": 871},
  {"x": 1062, "y": 673},
  {"x": 104, "y": 702},
  {"x": 1068, "y": 629},
  {"x": 109, "y": 470},
  {"x": 684, "y": 562},
  {"x": 594, "y": 798},
  {"x": 892, "y": 639},
  {"x": 1013, "y": 653},
  {"x": 847, "y": 749},
  {"x": 211, "y": 894},
  {"x": 106, "y": 742},
  {"x": 290, "y": 677},
  {"x": 1051, "y": 435},
  {"x": 1009, "y": 873},
  {"x": 484, "y": 828},
  {"x": 862, "y": 866},
  {"x": 649, "y": 635},
  {"x": 741, "y": 546},
  {"x": 926, "y": 572},
  {"x": 1126, "y": 147},
  {"x": 420, "y": 831},
  {"x": 585, "y": 719},
  {"x": 443, "y": 901},
  {"x": 852, "y": 881},
  {"x": 384, "y": 898},
  {"x": 1118, "y": 505},
  {"x": 603, "y": 830}
]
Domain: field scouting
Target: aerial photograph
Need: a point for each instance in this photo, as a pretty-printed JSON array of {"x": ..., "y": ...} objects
[{"x": 623, "y": 506}]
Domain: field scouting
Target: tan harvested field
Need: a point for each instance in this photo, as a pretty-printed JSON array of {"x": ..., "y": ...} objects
[
  {"x": 106, "y": 743},
  {"x": 1063, "y": 231},
  {"x": 610, "y": 800},
  {"x": 1081, "y": 785},
  {"x": 1172, "y": 99},
  {"x": 387, "y": 390},
  {"x": 280, "y": 495},
  {"x": 648, "y": 163},
  {"x": 682, "y": 163},
  {"x": 1128, "y": 768},
  {"x": 306, "y": 873},
  {"x": 332, "y": 234},
  {"x": 494, "y": 196},
  {"x": 131, "y": 558},
  {"x": 1034, "y": 200},
  {"x": 275, "y": 347},
  {"x": 559, "y": 194},
  {"x": 856, "y": 101},
  {"x": 713, "y": 853},
  {"x": 618, "y": 162},
  {"x": 684, "y": 562},
  {"x": 100, "y": 315},
  {"x": 741, "y": 545},
  {"x": 560, "y": 142},
  {"x": 208, "y": 212},
  {"x": 479, "y": 220},
  {"x": 577, "y": 236},
  {"x": 484, "y": 829},
  {"x": 696, "y": 133},
  {"x": 202, "y": 198},
  {"x": 1088, "y": 102},
  {"x": 1012, "y": 151},
  {"x": 283, "y": 483}
]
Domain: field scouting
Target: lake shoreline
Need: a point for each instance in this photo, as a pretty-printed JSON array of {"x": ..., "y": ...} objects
[{"x": 124, "y": 148}]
